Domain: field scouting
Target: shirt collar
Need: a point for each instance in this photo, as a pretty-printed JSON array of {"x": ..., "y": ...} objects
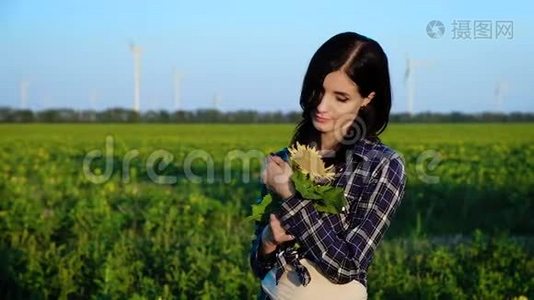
[{"x": 362, "y": 147}]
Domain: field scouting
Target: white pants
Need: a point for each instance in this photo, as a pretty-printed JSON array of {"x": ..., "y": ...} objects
[{"x": 319, "y": 287}]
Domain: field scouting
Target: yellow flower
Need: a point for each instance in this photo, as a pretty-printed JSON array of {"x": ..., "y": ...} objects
[{"x": 309, "y": 161}]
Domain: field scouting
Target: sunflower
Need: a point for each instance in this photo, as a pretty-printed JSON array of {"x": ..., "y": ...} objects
[{"x": 309, "y": 162}]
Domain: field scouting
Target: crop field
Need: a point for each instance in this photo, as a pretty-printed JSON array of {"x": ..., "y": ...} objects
[{"x": 154, "y": 211}]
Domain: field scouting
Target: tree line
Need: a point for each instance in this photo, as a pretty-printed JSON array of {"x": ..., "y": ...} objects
[{"x": 122, "y": 115}]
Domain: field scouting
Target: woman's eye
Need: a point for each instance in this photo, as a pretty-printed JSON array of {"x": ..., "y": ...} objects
[{"x": 343, "y": 99}]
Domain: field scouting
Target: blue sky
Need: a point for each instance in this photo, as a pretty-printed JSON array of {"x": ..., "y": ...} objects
[{"x": 253, "y": 56}]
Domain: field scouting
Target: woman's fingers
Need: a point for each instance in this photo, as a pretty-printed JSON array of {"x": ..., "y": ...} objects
[
  {"x": 283, "y": 166},
  {"x": 280, "y": 162},
  {"x": 270, "y": 168},
  {"x": 270, "y": 173},
  {"x": 277, "y": 159},
  {"x": 279, "y": 233}
]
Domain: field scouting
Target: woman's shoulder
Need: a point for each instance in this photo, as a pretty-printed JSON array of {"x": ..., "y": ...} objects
[
  {"x": 376, "y": 149},
  {"x": 394, "y": 161},
  {"x": 376, "y": 155}
]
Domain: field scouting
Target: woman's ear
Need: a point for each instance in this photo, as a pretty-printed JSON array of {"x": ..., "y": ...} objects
[{"x": 368, "y": 99}]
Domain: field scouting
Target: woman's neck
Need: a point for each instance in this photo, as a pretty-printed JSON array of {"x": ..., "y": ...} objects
[{"x": 329, "y": 145}]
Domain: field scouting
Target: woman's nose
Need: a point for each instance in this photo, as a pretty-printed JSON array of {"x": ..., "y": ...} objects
[{"x": 323, "y": 105}]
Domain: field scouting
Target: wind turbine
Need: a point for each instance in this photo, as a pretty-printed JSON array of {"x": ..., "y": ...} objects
[
  {"x": 23, "y": 89},
  {"x": 93, "y": 97},
  {"x": 409, "y": 79},
  {"x": 177, "y": 80},
  {"x": 47, "y": 98},
  {"x": 136, "y": 52},
  {"x": 500, "y": 88},
  {"x": 216, "y": 101}
]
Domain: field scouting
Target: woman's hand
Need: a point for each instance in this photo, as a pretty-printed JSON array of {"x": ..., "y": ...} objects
[
  {"x": 277, "y": 176},
  {"x": 273, "y": 235}
]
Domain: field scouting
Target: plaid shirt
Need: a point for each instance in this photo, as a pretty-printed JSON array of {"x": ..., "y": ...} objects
[{"x": 342, "y": 244}]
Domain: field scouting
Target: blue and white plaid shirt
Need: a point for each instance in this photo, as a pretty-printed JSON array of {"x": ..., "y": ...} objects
[{"x": 342, "y": 245}]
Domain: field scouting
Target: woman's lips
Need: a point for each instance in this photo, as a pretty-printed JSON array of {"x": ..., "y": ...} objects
[{"x": 321, "y": 119}]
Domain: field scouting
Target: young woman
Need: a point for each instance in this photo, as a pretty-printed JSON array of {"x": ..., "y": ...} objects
[{"x": 346, "y": 101}]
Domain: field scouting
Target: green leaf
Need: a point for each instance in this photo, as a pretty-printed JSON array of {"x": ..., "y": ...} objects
[
  {"x": 335, "y": 197},
  {"x": 328, "y": 208},
  {"x": 262, "y": 210},
  {"x": 304, "y": 186},
  {"x": 259, "y": 209},
  {"x": 325, "y": 198}
]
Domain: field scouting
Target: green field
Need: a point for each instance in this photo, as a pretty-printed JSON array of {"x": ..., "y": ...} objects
[{"x": 464, "y": 229}]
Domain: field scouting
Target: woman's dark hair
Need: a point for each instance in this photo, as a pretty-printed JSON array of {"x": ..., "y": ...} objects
[{"x": 364, "y": 61}]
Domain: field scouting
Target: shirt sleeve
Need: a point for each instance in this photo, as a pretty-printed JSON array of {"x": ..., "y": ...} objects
[
  {"x": 342, "y": 258},
  {"x": 260, "y": 264}
]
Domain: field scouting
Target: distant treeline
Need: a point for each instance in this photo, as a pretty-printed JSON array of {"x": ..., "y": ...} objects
[{"x": 121, "y": 115}]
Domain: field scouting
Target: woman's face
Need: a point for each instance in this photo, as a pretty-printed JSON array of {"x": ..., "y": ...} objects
[{"x": 340, "y": 104}]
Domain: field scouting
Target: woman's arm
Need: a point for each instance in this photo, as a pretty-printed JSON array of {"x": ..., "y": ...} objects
[
  {"x": 269, "y": 237},
  {"x": 260, "y": 263},
  {"x": 262, "y": 256},
  {"x": 342, "y": 258}
]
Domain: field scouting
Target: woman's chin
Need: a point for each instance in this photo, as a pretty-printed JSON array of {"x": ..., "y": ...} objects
[{"x": 322, "y": 127}]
